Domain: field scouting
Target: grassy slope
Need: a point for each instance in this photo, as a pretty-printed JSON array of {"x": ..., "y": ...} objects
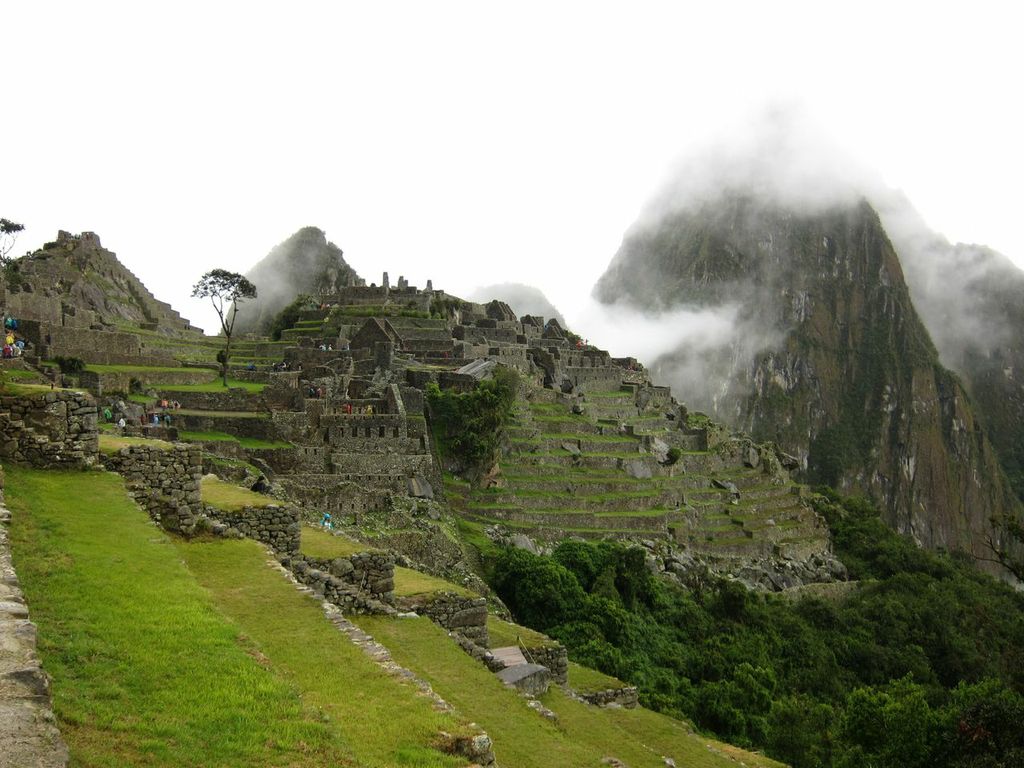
[
  {"x": 153, "y": 668},
  {"x": 583, "y": 735}
]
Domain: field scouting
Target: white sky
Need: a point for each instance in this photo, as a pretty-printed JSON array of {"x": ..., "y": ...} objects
[{"x": 469, "y": 142}]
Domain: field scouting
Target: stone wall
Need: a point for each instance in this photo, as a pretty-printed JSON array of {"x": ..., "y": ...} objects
[
  {"x": 121, "y": 381},
  {"x": 372, "y": 572},
  {"x": 229, "y": 399},
  {"x": 240, "y": 426},
  {"x": 554, "y": 657},
  {"x": 273, "y": 524},
  {"x": 465, "y": 615},
  {"x": 28, "y": 736},
  {"x": 50, "y": 429},
  {"x": 164, "y": 481},
  {"x": 623, "y": 697}
]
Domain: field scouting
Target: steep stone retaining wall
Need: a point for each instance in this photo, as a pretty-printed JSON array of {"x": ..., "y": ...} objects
[
  {"x": 465, "y": 615},
  {"x": 274, "y": 525},
  {"x": 164, "y": 481},
  {"x": 51, "y": 429},
  {"x": 28, "y": 736},
  {"x": 554, "y": 657},
  {"x": 371, "y": 572},
  {"x": 343, "y": 587}
]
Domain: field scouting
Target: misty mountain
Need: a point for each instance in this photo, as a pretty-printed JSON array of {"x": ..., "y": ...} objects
[
  {"x": 304, "y": 263},
  {"x": 827, "y": 354},
  {"x": 524, "y": 300}
]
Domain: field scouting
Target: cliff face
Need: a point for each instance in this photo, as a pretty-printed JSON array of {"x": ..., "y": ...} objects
[
  {"x": 829, "y": 357},
  {"x": 971, "y": 298},
  {"x": 304, "y": 263}
]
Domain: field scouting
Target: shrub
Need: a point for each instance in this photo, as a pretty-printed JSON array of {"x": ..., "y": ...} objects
[
  {"x": 71, "y": 366},
  {"x": 469, "y": 426}
]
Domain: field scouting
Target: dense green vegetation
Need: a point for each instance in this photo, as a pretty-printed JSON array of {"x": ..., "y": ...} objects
[
  {"x": 289, "y": 316},
  {"x": 469, "y": 426},
  {"x": 922, "y": 665}
]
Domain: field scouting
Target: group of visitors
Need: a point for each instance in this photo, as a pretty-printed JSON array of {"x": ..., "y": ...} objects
[
  {"x": 14, "y": 345},
  {"x": 348, "y": 409},
  {"x": 315, "y": 393}
]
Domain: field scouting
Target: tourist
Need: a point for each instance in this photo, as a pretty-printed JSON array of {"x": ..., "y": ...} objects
[
  {"x": 325, "y": 521},
  {"x": 167, "y": 420},
  {"x": 369, "y": 410},
  {"x": 261, "y": 485},
  {"x": 121, "y": 424},
  {"x": 108, "y": 415}
]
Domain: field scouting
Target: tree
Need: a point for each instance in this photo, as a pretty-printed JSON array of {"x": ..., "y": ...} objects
[
  {"x": 223, "y": 288},
  {"x": 8, "y": 234}
]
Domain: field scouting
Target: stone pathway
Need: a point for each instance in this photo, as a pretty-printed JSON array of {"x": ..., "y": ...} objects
[{"x": 28, "y": 734}]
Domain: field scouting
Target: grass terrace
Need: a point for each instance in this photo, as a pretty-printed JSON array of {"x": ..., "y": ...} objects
[
  {"x": 586, "y": 680},
  {"x": 111, "y": 443},
  {"x": 410, "y": 583},
  {"x": 220, "y": 437},
  {"x": 216, "y": 385},
  {"x": 505, "y": 633},
  {"x": 166, "y": 653},
  {"x": 583, "y": 736},
  {"x": 232, "y": 498},
  {"x": 319, "y": 543}
]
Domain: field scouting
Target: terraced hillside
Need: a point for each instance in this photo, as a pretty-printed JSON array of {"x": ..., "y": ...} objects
[
  {"x": 262, "y": 677},
  {"x": 602, "y": 473}
]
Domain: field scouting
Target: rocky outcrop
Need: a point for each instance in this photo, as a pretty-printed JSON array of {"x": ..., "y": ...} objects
[{"x": 827, "y": 357}]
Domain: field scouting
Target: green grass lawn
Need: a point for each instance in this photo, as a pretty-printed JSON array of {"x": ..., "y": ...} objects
[
  {"x": 316, "y": 542},
  {"x": 98, "y": 368},
  {"x": 232, "y": 498},
  {"x": 217, "y": 385},
  {"x": 504, "y": 633},
  {"x": 168, "y": 653},
  {"x": 245, "y": 442},
  {"x": 220, "y": 414},
  {"x": 410, "y": 583},
  {"x": 111, "y": 444},
  {"x": 586, "y": 680},
  {"x": 583, "y": 735}
]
